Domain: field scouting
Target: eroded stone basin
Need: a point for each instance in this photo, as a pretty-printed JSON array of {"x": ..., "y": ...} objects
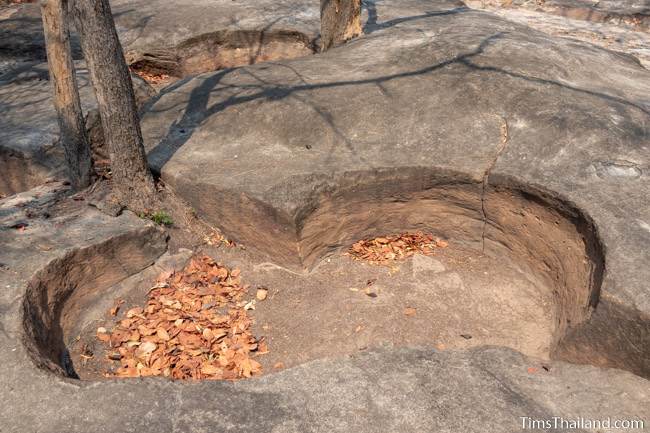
[
  {"x": 221, "y": 50},
  {"x": 526, "y": 242}
]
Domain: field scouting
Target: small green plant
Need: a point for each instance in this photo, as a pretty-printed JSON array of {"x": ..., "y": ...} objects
[{"x": 160, "y": 217}]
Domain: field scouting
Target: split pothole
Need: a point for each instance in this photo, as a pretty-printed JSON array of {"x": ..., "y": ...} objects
[{"x": 524, "y": 277}]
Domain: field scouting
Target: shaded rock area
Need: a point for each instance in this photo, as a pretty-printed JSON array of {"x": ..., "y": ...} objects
[
  {"x": 29, "y": 133},
  {"x": 21, "y": 36},
  {"x": 235, "y": 33},
  {"x": 212, "y": 35},
  {"x": 220, "y": 50},
  {"x": 143, "y": 25}
]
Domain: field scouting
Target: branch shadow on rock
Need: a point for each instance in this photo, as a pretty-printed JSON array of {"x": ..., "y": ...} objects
[{"x": 198, "y": 109}]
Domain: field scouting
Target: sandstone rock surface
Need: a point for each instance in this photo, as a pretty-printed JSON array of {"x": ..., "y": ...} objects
[
  {"x": 449, "y": 119},
  {"x": 490, "y": 134}
]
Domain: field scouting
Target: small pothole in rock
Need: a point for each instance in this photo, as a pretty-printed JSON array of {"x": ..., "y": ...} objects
[{"x": 215, "y": 51}]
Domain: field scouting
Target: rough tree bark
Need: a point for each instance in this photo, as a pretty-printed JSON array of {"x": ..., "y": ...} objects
[
  {"x": 340, "y": 20},
  {"x": 111, "y": 79},
  {"x": 66, "y": 95}
]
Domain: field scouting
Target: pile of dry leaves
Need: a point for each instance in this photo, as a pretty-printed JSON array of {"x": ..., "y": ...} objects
[
  {"x": 152, "y": 78},
  {"x": 384, "y": 250},
  {"x": 194, "y": 326}
]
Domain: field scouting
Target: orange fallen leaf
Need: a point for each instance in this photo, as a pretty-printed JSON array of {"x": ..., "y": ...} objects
[
  {"x": 210, "y": 369},
  {"x": 145, "y": 349},
  {"x": 133, "y": 312},
  {"x": 261, "y": 294},
  {"x": 262, "y": 348},
  {"x": 162, "y": 334},
  {"x": 410, "y": 311}
]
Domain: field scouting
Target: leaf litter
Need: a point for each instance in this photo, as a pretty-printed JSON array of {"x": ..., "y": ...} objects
[
  {"x": 194, "y": 326},
  {"x": 151, "y": 77},
  {"x": 387, "y": 249}
]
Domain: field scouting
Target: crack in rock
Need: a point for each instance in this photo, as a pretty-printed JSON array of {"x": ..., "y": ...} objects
[{"x": 504, "y": 134}]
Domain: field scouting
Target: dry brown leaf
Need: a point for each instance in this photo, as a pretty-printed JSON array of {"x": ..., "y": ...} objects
[
  {"x": 410, "y": 311},
  {"x": 133, "y": 312},
  {"x": 262, "y": 348},
  {"x": 145, "y": 349},
  {"x": 162, "y": 334},
  {"x": 210, "y": 370}
]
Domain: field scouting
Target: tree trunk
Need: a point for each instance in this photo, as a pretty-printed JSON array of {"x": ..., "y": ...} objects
[
  {"x": 111, "y": 80},
  {"x": 66, "y": 95},
  {"x": 340, "y": 20}
]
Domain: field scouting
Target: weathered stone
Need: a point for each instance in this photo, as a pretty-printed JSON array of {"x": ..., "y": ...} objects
[
  {"x": 210, "y": 35},
  {"x": 440, "y": 118},
  {"x": 633, "y": 13},
  {"x": 232, "y": 32},
  {"x": 607, "y": 35},
  {"x": 473, "y": 391},
  {"x": 482, "y": 130},
  {"x": 58, "y": 260},
  {"x": 29, "y": 133},
  {"x": 206, "y": 36}
]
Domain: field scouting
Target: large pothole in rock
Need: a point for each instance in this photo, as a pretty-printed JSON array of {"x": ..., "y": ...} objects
[{"x": 520, "y": 277}]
